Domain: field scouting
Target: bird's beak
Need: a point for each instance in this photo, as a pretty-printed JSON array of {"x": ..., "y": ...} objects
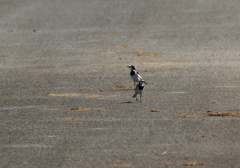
[{"x": 129, "y": 66}]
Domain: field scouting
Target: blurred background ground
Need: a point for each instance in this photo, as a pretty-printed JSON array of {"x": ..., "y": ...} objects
[{"x": 66, "y": 99}]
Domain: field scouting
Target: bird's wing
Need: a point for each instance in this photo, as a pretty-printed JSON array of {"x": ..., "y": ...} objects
[{"x": 139, "y": 76}]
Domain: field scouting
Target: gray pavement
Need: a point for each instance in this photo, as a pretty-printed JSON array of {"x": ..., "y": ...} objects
[{"x": 62, "y": 63}]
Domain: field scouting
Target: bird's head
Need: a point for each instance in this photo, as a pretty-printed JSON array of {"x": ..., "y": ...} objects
[
  {"x": 131, "y": 67},
  {"x": 142, "y": 82}
]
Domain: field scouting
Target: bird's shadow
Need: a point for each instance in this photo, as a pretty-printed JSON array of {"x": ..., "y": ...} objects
[{"x": 127, "y": 102}]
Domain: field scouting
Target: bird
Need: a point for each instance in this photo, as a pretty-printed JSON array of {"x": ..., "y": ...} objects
[
  {"x": 139, "y": 89},
  {"x": 136, "y": 77}
]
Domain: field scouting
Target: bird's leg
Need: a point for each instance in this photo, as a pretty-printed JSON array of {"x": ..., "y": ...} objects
[{"x": 141, "y": 97}]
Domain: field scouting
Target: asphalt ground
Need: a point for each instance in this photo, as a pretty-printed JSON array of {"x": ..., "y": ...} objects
[{"x": 66, "y": 94}]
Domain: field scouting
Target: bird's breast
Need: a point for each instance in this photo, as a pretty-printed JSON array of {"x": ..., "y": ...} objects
[
  {"x": 140, "y": 87},
  {"x": 132, "y": 73}
]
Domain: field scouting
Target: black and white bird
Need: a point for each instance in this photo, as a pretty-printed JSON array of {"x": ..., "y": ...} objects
[
  {"x": 136, "y": 77},
  {"x": 139, "y": 89}
]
